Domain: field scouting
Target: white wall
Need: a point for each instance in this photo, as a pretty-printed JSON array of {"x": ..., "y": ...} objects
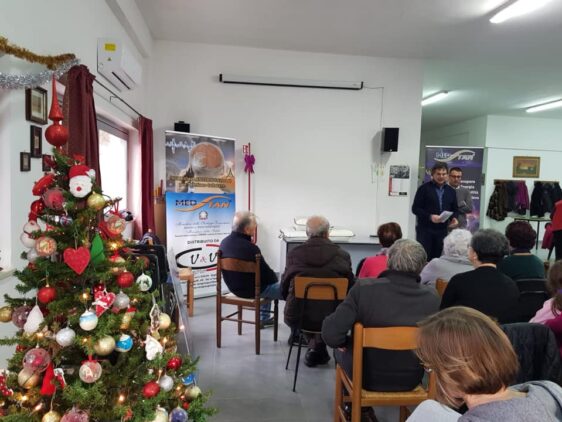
[
  {"x": 314, "y": 148},
  {"x": 53, "y": 27}
]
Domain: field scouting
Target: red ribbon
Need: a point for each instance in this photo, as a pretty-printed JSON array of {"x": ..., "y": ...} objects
[{"x": 250, "y": 160}]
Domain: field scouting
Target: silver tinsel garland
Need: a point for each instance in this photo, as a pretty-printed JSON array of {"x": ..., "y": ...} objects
[{"x": 11, "y": 81}]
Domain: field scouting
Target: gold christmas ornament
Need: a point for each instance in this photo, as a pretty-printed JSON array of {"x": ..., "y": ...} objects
[
  {"x": 104, "y": 346},
  {"x": 51, "y": 416},
  {"x": 96, "y": 201},
  {"x": 165, "y": 321},
  {"x": 127, "y": 318},
  {"x": 85, "y": 296},
  {"x": 27, "y": 378},
  {"x": 192, "y": 392},
  {"x": 6, "y": 313}
]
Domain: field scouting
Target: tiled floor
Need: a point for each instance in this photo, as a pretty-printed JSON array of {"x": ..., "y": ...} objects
[{"x": 250, "y": 388}]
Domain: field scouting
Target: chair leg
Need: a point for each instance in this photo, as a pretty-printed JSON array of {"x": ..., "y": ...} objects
[
  {"x": 338, "y": 398},
  {"x": 298, "y": 360},
  {"x": 275, "y": 319},
  {"x": 355, "y": 411},
  {"x": 289, "y": 357},
  {"x": 219, "y": 321},
  {"x": 258, "y": 329},
  {"x": 239, "y": 320},
  {"x": 404, "y": 413}
]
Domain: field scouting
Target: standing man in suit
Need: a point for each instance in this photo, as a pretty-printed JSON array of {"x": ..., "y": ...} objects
[
  {"x": 464, "y": 198},
  {"x": 432, "y": 198}
]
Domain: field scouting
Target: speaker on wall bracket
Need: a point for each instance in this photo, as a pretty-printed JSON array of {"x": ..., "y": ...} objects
[
  {"x": 389, "y": 139},
  {"x": 181, "y": 126}
]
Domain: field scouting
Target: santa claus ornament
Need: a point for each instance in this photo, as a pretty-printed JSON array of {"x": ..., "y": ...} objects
[{"x": 80, "y": 180}]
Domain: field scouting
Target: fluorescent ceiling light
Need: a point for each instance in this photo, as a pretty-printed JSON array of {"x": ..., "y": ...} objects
[
  {"x": 434, "y": 97},
  {"x": 517, "y": 8},
  {"x": 298, "y": 83},
  {"x": 545, "y": 106}
]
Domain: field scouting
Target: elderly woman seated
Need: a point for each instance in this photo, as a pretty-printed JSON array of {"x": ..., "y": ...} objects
[
  {"x": 485, "y": 288},
  {"x": 453, "y": 261},
  {"x": 475, "y": 364},
  {"x": 521, "y": 263},
  {"x": 372, "y": 266}
]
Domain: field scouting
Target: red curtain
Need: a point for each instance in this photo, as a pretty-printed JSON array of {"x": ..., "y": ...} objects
[
  {"x": 80, "y": 117},
  {"x": 147, "y": 175}
]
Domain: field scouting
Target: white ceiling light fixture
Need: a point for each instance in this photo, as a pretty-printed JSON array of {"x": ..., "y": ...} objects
[
  {"x": 430, "y": 99},
  {"x": 296, "y": 83},
  {"x": 517, "y": 8},
  {"x": 545, "y": 106}
]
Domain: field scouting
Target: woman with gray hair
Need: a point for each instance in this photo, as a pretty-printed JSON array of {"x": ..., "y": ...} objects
[
  {"x": 453, "y": 261},
  {"x": 485, "y": 288}
]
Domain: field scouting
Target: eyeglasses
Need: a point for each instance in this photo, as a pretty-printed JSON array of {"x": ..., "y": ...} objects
[{"x": 426, "y": 367}]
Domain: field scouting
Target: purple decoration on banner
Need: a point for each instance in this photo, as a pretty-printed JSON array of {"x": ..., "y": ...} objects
[{"x": 250, "y": 160}]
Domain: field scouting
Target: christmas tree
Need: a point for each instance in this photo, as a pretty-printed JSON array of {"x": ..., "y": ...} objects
[{"x": 93, "y": 343}]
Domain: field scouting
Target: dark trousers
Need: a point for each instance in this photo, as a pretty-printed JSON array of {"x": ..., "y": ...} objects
[
  {"x": 431, "y": 240},
  {"x": 557, "y": 237}
]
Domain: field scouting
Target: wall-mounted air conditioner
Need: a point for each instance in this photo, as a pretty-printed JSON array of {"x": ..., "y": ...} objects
[{"x": 117, "y": 64}]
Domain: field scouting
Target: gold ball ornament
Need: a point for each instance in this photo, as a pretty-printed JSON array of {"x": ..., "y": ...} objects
[
  {"x": 27, "y": 378},
  {"x": 104, "y": 346},
  {"x": 96, "y": 201},
  {"x": 192, "y": 392},
  {"x": 51, "y": 416},
  {"x": 6, "y": 313},
  {"x": 165, "y": 321}
]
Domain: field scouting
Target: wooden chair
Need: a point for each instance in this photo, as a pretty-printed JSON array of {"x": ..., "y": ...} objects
[
  {"x": 441, "y": 285},
  {"x": 387, "y": 338},
  {"x": 186, "y": 274},
  {"x": 311, "y": 292},
  {"x": 232, "y": 264}
]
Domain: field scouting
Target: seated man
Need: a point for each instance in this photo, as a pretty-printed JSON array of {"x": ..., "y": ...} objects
[
  {"x": 485, "y": 288},
  {"x": 317, "y": 257},
  {"x": 396, "y": 298},
  {"x": 238, "y": 244}
]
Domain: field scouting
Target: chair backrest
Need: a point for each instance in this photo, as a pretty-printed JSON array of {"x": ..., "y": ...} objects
[
  {"x": 318, "y": 298},
  {"x": 531, "y": 285},
  {"x": 240, "y": 266},
  {"x": 441, "y": 285},
  {"x": 387, "y": 338}
]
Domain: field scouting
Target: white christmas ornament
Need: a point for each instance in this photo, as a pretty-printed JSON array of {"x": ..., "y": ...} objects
[
  {"x": 34, "y": 320},
  {"x": 161, "y": 415},
  {"x": 80, "y": 180},
  {"x": 88, "y": 321},
  {"x": 144, "y": 282},
  {"x": 121, "y": 301},
  {"x": 166, "y": 383},
  {"x": 153, "y": 347},
  {"x": 29, "y": 227},
  {"x": 65, "y": 337},
  {"x": 165, "y": 321},
  {"x": 32, "y": 255},
  {"x": 27, "y": 241}
]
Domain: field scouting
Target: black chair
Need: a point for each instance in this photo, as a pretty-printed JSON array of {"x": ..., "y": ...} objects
[
  {"x": 533, "y": 294},
  {"x": 160, "y": 252},
  {"x": 318, "y": 298}
]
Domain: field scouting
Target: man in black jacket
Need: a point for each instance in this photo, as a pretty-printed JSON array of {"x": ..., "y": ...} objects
[
  {"x": 317, "y": 257},
  {"x": 432, "y": 198},
  {"x": 238, "y": 244},
  {"x": 394, "y": 299}
]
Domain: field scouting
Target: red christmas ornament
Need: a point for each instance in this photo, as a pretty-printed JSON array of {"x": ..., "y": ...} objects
[
  {"x": 77, "y": 259},
  {"x": 46, "y": 294},
  {"x": 36, "y": 209},
  {"x": 185, "y": 405},
  {"x": 48, "y": 387},
  {"x": 56, "y": 134},
  {"x": 54, "y": 198},
  {"x": 98, "y": 288},
  {"x": 43, "y": 184},
  {"x": 125, "y": 279},
  {"x": 174, "y": 363},
  {"x": 150, "y": 389},
  {"x": 21, "y": 348}
]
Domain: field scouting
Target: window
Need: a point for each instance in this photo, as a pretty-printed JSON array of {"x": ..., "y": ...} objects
[{"x": 113, "y": 143}]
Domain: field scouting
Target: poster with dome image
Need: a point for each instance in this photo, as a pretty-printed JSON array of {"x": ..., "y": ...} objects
[{"x": 199, "y": 163}]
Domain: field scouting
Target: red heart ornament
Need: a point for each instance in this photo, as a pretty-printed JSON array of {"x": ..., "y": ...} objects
[
  {"x": 103, "y": 301},
  {"x": 77, "y": 259}
]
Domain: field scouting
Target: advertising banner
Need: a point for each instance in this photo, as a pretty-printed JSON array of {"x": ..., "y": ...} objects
[
  {"x": 196, "y": 223},
  {"x": 199, "y": 163},
  {"x": 470, "y": 160}
]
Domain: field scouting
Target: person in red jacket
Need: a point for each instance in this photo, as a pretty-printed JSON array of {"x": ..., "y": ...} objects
[{"x": 556, "y": 217}]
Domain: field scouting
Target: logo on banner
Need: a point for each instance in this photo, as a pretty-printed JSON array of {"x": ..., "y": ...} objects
[
  {"x": 463, "y": 154},
  {"x": 200, "y": 258},
  {"x": 216, "y": 201}
]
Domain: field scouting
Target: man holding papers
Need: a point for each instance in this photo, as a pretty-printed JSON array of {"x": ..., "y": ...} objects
[{"x": 435, "y": 206}]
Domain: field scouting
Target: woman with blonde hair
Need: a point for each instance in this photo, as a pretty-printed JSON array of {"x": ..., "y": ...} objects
[{"x": 475, "y": 364}]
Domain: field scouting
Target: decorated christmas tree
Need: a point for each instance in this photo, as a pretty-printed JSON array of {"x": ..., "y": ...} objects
[{"x": 93, "y": 343}]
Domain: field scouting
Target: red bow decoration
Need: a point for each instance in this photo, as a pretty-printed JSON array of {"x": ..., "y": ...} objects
[
  {"x": 51, "y": 375},
  {"x": 250, "y": 160}
]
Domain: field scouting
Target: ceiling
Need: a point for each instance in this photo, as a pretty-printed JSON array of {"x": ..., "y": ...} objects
[{"x": 489, "y": 69}]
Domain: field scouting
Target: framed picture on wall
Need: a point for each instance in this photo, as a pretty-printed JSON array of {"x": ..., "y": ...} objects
[
  {"x": 526, "y": 166},
  {"x": 35, "y": 140},
  {"x": 36, "y": 105},
  {"x": 25, "y": 161}
]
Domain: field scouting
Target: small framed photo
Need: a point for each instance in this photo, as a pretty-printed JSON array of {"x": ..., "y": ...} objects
[
  {"x": 25, "y": 161},
  {"x": 36, "y": 139},
  {"x": 45, "y": 162},
  {"x": 36, "y": 105},
  {"x": 526, "y": 166}
]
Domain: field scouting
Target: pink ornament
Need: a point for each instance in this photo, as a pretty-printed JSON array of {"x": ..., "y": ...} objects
[
  {"x": 36, "y": 359},
  {"x": 19, "y": 315},
  {"x": 75, "y": 415},
  {"x": 45, "y": 246},
  {"x": 115, "y": 225},
  {"x": 90, "y": 371},
  {"x": 54, "y": 199}
]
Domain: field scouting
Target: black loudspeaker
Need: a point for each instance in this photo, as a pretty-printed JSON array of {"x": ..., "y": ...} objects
[
  {"x": 389, "y": 141},
  {"x": 181, "y": 126}
]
